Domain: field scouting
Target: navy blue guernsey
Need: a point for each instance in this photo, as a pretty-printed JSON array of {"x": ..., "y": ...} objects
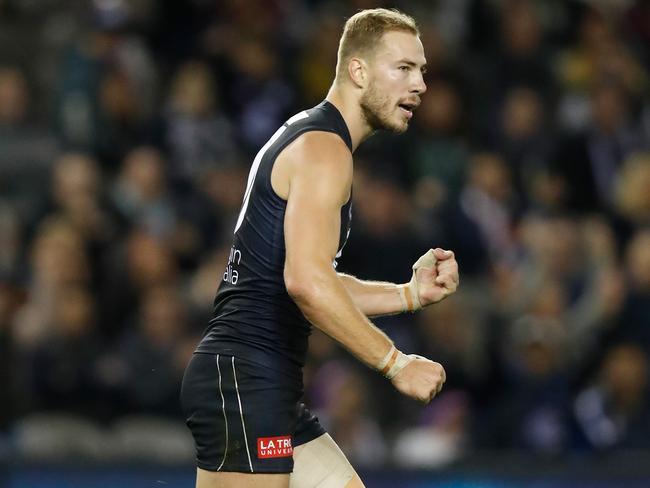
[{"x": 254, "y": 316}]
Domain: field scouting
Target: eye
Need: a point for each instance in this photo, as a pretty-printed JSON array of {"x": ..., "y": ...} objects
[
  {"x": 405, "y": 68},
  {"x": 424, "y": 70}
]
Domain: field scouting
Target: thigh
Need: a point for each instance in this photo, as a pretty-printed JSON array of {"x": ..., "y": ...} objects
[
  {"x": 321, "y": 463},
  {"x": 242, "y": 416}
]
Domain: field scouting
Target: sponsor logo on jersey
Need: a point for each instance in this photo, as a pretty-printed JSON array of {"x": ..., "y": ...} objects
[{"x": 274, "y": 447}]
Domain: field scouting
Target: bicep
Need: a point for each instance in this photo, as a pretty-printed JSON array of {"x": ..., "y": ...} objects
[{"x": 318, "y": 189}]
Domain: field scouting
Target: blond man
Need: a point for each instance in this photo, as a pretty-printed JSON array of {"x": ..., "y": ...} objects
[{"x": 242, "y": 390}]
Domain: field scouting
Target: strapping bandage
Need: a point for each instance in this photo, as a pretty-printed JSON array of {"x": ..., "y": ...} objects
[
  {"x": 393, "y": 362},
  {"x": 409, "y": 293},
  {"x": 320, "y": 463}
]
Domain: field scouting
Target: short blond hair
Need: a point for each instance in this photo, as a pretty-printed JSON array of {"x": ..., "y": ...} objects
[{"x": 364, "y": 30}]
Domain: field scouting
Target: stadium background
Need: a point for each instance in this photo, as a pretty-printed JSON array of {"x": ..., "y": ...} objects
[{"x": 126, "y": 133}]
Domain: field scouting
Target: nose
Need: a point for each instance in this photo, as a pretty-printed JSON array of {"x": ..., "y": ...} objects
[{"x": 419, "y": 86}]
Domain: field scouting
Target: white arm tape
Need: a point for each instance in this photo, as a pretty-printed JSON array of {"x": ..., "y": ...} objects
[
  {"x": 409, "y": 293},
  {"x": 393, "y": 363},
  {"x": 427, "y": 260}
]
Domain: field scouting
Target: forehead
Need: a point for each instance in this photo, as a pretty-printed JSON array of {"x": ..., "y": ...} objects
[{"x": 398, "y": 46}]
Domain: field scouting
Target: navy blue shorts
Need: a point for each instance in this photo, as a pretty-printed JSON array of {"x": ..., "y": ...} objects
[{"x": 243, "y": 416}]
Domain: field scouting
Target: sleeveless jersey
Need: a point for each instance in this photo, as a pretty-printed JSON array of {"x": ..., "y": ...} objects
[{"x": 253, "y": 315}]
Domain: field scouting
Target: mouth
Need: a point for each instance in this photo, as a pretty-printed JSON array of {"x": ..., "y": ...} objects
[{"x": 407, "y": 108}]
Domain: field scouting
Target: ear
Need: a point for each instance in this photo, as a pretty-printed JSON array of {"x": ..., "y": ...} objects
[{"x": 358, "y": 72}]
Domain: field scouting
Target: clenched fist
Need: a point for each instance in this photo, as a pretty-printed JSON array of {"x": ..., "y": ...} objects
[
  {"x": 437, "y": 280},
  {"x": 421, "y": 379},
  {"x": 435, "y": 277}
]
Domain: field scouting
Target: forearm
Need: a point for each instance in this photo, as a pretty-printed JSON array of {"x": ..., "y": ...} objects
[
  {"x": 325, "y": 302},
  {"x": 373, "y": 298}
]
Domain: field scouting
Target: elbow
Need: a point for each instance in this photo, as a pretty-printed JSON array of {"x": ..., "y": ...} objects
[
  {"x": 297, "y": 286},
  {"x": 301, "y": 286}
]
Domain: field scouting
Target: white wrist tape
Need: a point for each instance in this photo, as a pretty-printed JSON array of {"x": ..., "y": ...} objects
[
  {"x": 409, "y": 293},
  {"x": 393, "y": 362}
]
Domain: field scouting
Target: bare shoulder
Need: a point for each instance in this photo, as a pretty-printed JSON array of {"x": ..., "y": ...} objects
[
  {"x": 314, "y": 156},
  {"x": 322, "y": 144},
  {"x": 321, "y": 149}
]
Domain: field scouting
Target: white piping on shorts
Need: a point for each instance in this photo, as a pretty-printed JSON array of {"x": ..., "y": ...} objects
[
  {"x": 241, "y": 414},
  {"x": 223, "y": 409}
]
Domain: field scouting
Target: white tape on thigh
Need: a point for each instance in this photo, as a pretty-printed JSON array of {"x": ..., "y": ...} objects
[{"x": 320, "y": 463}]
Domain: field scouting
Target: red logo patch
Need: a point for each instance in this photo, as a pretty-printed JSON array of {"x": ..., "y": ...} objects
[{"x": 274, "y": 447}]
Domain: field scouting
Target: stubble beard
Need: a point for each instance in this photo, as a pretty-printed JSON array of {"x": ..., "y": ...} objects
[{"x": 377, "y": 110}]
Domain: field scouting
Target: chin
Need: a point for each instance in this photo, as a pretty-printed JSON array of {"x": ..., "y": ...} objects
[
  {"x": 397, "y": 127},
  {"x": 394, "y": 123}
]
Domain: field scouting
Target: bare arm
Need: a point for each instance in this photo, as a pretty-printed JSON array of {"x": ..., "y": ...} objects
[
  {"x": 373, "y": 298},
  {"x": 435, "y": 277},
  {"x": 319, "y": 185},
  {"x": 320, "y": 177}
]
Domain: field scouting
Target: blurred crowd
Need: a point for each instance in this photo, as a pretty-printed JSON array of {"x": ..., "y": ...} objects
[{"x": 126, "y": 132}]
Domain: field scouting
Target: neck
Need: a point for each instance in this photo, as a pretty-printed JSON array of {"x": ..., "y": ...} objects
[{"x": 348, "y": 104}]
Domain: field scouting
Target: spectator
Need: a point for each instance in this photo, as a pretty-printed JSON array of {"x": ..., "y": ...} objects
[
  {"x": 138, "y": 264},
  {"x": 107, "y": 87},
  {"x": 529, "y": 412},
  {"x": 57, "y": 259},
  {"x": 441, "y": 436},
  {"x": 261, "y": 96},
  {"x": 25, "y": 144},
  {"x": 144, "y": 197},
  {"x": 76, "y": 196},
  {"x": 153, "y": 355},
  {"x": 11, "y": 243},
  {"x": 523, "y": 138},
  {"x": 318, "y": 59},
  {"x": 598, "y": 55},
  {"x": 197, "y": 135},
  {"x": 62, "y": 366},
  {"x": 632, "y": 198},
  {"x": 635, "y": 314},
  {"x": 9, "y": 303},
  {"x": 590, "y": 162},
  {"x": 439, "y": 155},
  {"x": 613, "y": 412},
  {"x": 520, "y": 58},
  {"x": 488, "y": 200}
]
